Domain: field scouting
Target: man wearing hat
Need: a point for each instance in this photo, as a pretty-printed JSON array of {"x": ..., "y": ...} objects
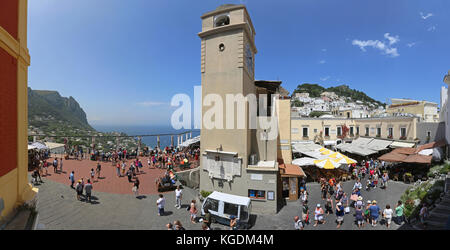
[{"x": 339, "y": 214}]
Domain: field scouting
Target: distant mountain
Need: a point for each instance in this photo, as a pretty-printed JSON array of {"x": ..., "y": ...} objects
[
  {"x": 315, "y": 90},
  {"x": 46, "y": 106}
]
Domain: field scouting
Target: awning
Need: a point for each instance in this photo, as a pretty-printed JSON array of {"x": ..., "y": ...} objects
[
  {"x": 53, "y": 145},
  {"x": 378, "y": 145},
  {"x": 39, "y": 145},
  {"x": 425, "y": 159},
  {"x": 392, "y": 157},
  {"x": 406, "y": 151},
  {"x": 31, "y": 147},
  {"x": 399, "y": 144},
  {"x": 291, "y": 170},
  {"x": 304, "y": 161},
  {"x": 191, "y": 141},
  {"x": 431, "y": 145}
]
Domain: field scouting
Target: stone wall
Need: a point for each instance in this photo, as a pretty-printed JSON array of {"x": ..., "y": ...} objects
[{"x": 190, "y": 178}]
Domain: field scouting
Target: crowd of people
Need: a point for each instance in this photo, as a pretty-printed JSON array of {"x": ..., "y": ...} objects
[{"x": 338, "y": 202}]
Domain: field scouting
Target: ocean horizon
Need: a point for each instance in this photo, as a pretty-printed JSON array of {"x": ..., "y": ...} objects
[{"x": 150, "y": 141}]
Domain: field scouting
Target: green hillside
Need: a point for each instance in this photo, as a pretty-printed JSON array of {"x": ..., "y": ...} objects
[
  {"x": 315, "y": 90},
  {"x": 47, "y": 107}
]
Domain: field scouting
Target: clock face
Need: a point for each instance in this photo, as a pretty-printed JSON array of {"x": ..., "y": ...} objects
[{"x": 249, "y": 58}]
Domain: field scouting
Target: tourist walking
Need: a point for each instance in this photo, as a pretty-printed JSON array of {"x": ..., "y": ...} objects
[
  {"x": 79, "y": 189},
  {"x": 367, "y": 212},
  {"x": 423, "y": 214},
  {"x": 399, "y": 213},
  {"x": 72, "y": 179},
  {"x": 161, "y": 202},
  {"x": 329, "y": 205},
  {"x": 193, "y": 211},
  {"x": 359, "y": 216},
  {"x": 324, "y": 190},
  {"x": 61, "y": 164},
  {"x": 99, "y": 168},
  {"x": 339, "y": 214},
  {"x": 318, "y": 215},
  {"x": 298, "y": 224},
  {"x": 303, "y": 195},
  {"x": 55, "y": 165},
  {"x": 136, "y": 187},
  {"x": 92, "y": 173},
  {"x": 178, "y": 197},
  {"x": 118, "y": 170},
  {"x": 88, "y": 189},
  {"x": 387, "y": 215},
  {"x": 305, "y": 212},
  {"x": 374, "y": 213}
]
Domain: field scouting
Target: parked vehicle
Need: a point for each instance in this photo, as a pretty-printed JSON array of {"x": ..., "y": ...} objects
[{"x": 222, "y": 206}]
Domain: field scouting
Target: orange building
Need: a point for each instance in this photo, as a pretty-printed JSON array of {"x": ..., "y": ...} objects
[{"x": 14, "y": 61}]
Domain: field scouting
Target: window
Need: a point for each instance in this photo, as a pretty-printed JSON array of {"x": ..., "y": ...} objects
[
  {"x": 403, "y": 133},
  {"x": 327, "y": 131},
  {"x": 351, "y": 131},
  {"x": 357, "y": 130},
  {"x": 221, "y": 20},
  {"x": 390, "y": 132},
  {"x": 348, "y": 114},
  {"x": 378, "y": 132},
  {"x": 305, "y": 132},
  {"x": 230, "y": 209},
  {"x": 339, "y": 131},
  {"x": 367, "y": 131},
  {"x": 315, "y": 130},
  {"x": 256, "y": 194},
  {"x": 212, "y": 204}
]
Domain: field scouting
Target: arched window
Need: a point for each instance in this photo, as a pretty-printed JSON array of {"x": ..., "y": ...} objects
[{"x": 221, "y": 20}]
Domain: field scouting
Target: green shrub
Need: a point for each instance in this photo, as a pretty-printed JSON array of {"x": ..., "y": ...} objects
[{"x": 204, "y": 193}]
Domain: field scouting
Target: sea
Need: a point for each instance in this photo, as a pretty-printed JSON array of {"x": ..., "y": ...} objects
[{"x": 150, "y": 141}]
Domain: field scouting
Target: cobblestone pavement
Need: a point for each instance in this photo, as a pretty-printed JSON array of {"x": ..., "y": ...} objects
[{"x": 59, "y": 209}]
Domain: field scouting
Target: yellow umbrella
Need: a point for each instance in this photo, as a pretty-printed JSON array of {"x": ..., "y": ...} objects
[
  {"x": 336, "y": 155},
  {"x": 326, "y": 164},
  {"x": 326, "y": 152},
  {"x": 344, "y": 160},
  {"x": 322, "y": 149}
]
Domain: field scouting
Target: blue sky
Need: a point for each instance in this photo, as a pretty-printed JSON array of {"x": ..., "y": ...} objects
[{"x": 124, "y": 60}]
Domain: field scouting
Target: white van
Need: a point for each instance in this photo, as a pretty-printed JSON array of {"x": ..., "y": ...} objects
[{"x": 222, "y": 206}]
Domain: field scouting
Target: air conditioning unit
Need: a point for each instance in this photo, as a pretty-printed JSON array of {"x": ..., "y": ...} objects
[{"x": 253, "y": 159}]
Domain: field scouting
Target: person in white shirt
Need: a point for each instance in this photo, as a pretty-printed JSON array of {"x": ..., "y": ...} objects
[
  {"x": 387, "y": 214},
  {"x": 357, "y": 185},
  {"x": 160, "y": 203},
  {"x": 298, "y": 224},
  {"x": 178, "y": 196}
]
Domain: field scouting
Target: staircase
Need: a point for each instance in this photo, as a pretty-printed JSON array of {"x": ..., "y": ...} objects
[{"x": 440, "y": 215}]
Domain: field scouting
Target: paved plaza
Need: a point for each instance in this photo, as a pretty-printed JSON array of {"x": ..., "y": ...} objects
[
  {"x": 59, "y": 209},
  {"x": 109, "y": 181}
]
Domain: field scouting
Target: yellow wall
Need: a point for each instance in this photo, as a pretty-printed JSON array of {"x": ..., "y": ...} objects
[
  {"x": 14, "y": 186},
  {"x": 319, "y": 124}
]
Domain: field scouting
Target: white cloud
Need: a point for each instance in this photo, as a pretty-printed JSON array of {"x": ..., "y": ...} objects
[
  {"x": 424, "y": 17},
  {"x": 376, "y": 44},
  {"x": 392, "y": 39},
  {"x": 322, "y": 61},
  {"x": 411, "y": 44},
  {"x": 149, "y": 104},
  {"x": 432, "y": 28},
  {"x": 324, "y": 78}
]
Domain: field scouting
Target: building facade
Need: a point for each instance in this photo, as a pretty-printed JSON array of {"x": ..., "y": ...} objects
[
  {"x": 323, "y": 130},
  {"x": 239, "y": 161},
  {"x": 14, "y": 61},
  {"x": 427, "y": 111}
]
